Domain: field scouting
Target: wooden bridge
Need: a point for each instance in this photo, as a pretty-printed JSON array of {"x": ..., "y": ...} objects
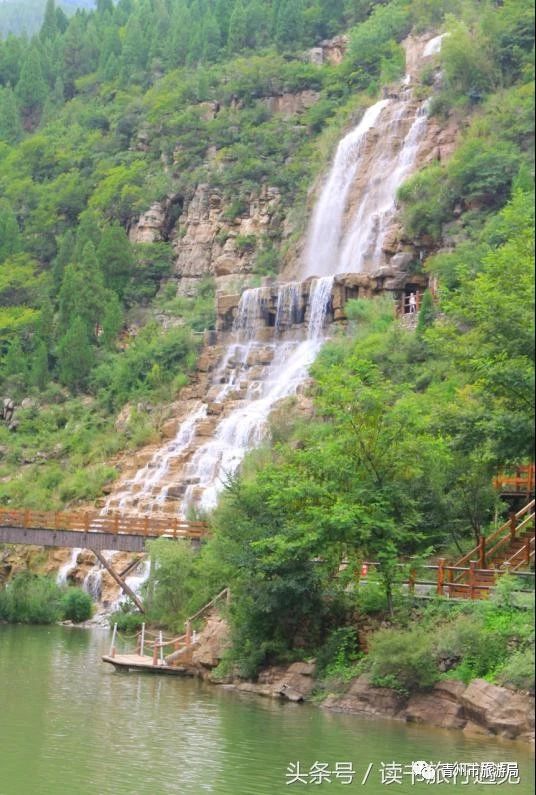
[{"x": 93, "y": 530}]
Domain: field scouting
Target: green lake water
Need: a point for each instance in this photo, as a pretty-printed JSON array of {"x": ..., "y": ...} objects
[{"x": 71, "y": 725}]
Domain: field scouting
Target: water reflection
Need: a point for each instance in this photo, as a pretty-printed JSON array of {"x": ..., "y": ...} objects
[{"x": 70, "y": 725}]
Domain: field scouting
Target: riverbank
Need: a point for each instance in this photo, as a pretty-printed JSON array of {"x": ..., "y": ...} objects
[
  {"x": 476, "y": 708},
  {"x": 479, "y": 708},
  {"x": 72, "y": 724}
]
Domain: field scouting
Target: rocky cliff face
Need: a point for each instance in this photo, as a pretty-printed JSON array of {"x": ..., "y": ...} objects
[
  {"x": 207, "y": 242},
  {"x": 212, "y": 237}
]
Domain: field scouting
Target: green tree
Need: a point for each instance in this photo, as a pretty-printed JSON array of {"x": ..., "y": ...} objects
[
  {"x": 39, "y": 371},
  {"x": 426, "y": 313},
  {"x": 112, "y": 320},
  {"x": 10, "y": 239},
  {"x": 10, "y": 123},
  {"x": 75, "y": 355},
  {"x": 115, "y": 257},
  {"x": 31, "y": 89},
  {"x": 82, "y": 294},
  {"x": 49, "y": 28},
  {"x": 15, "y": 362},
  {"x": 237, "y": 35},
  {"x": 290, "y": 25}
]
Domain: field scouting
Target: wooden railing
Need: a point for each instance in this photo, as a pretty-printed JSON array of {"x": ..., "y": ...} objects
[
  {"x": 93, "y": 522},
  {"x": 442, "y": 578},
  {"x": 484, "y": 553},
  {"x": 520, "y": 481},
  {"x": 156, "y": 642}
]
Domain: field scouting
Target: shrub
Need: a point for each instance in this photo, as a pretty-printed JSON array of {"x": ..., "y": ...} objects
[
  {"x": 76, "y": 605},
  {"x": 338, "y": 655},
  {"x": 31, "y": 599},
  {"x": 402, "y": 659},
  {"x": 126, "y": 621},
  {"x": 519, "y": 671}
]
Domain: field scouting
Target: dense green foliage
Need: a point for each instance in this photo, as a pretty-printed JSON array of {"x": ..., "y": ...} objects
[
  {"x": 398, "y": 462},
  {"x": 90, "y": 111},
  {"x": 146, "y": 99},
  {"x": 492, "y": 640},
  {"x": 35, "y": 599}
]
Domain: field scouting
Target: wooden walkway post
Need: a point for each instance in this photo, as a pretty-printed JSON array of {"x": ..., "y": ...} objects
[
  {"x": 513, "y": 525},
  {"x": 122, "y": 584},
  {"x": 472, "y": 567},
  {"x": 482, "y": 551},
  {"x": 112, "y": 646},
  {"x": 142, "y": 639},
  {"x": 440, "y": 576}
]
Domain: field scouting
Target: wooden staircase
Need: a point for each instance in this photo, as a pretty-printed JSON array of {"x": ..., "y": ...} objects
[{"x": 510, "y": 548}]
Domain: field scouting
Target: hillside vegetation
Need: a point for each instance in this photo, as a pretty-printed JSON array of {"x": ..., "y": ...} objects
[{"x": 102, "y": 114}]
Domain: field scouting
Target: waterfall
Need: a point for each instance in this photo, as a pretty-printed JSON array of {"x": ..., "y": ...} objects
[
  {"x": 362, "y": 243},
  {"x": 251, "y": 309},
  {"x": 433, "y": 47},
  {"x": 279, "y": 330},
  {"x": 64, "y": 571},
  {"x": 288, "y": 306},
  {"x": 323, "y": 240},
  {"x": 319, "y": 305}
]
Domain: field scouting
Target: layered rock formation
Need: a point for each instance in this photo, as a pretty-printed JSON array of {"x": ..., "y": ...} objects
[
  {"x": 209, "y": 243},
  {"x": 479, "y": 707}
]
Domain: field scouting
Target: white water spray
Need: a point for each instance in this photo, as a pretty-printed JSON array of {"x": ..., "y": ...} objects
[{"x": 354, "y": 211}]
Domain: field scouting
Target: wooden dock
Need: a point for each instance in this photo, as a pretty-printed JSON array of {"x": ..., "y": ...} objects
[{"x": 139, "y": 662}]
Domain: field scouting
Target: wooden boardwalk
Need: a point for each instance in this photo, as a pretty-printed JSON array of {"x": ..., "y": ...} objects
[
  {"x": 138, "y": 662},
  {"x": 92, "y": 530}
]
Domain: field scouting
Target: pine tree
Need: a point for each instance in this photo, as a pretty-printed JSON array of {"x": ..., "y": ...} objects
[
  {"x": 237, "y": 37},
  {"x": 31, "y": 89},
  {"x": 73, "y": 54},
  {"x": 211, "y": 38},
  {"x": 49, "y": 28},
  {"x": 39, "y": 373},
  {"x": 177, "y": 46},
  {"x": 115, "y": 258},
  {"x": 290, "y": 25},
  {"x": 10, "y": 242},
  {"x": 82, "y": 293},
  {"x": 258, "y": 27},
  {"x": 111, "y": 45},
  {"x": 75, "y": 355},
  {"x": 12, "y": 57},
  {"x": 88, "y": 232},
  {"x": 15, "y": 361},
  {"x": 426, "y": 314},
  {"x": 62, "y": 20},
  {"x": 135, "y": 50},
  {"x": 45, "y": 325},
  {"x": 10, "y": 124},
  {"x": 104, "y": 6},
  {"x": 111, "y": 70},
  {"x": 63, "y": 257},
  {"x": 112, "y": 320}
]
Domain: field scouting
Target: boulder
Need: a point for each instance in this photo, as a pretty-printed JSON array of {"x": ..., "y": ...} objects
[
  {"x": 439, "y": 707},
  {"x": 363, "y": 698},
  {"x": 498, "y": 709},
  {"x": 211, "y": 643}
]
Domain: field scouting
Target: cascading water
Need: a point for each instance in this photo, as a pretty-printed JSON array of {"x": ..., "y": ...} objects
[
  {"x": 269, "y": 356},
  {"x": 326, "y": 228}
]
